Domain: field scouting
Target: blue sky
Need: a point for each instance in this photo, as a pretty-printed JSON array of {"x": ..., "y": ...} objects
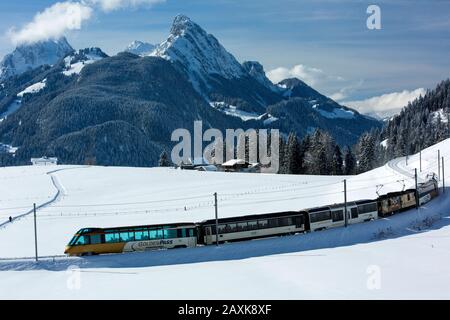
[{"x": 329, "y": 39}]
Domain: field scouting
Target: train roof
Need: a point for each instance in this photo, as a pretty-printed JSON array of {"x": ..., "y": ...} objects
[
  {"x": 170, "y": 225},
  {"x": 396, "y": 193},
  {"x": 365, "y": 201},
  {"x": 255, "y": 216}
]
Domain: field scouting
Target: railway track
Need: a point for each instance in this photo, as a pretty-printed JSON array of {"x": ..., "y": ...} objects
[{"x": 395, "y": 165}]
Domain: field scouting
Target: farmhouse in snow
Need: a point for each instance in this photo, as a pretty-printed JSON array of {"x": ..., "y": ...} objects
[{"x": 44, "y": 161}]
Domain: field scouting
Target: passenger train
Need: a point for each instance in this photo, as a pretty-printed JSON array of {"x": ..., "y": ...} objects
[{"x": 92, "y": 241}]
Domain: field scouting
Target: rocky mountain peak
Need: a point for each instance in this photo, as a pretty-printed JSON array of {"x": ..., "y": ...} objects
[
  {"x": 30, "y": 56},
  {"x": 200, "y": 54},
  {"x": 256, "y": 70},
  {"x": 140, "y": 48}
]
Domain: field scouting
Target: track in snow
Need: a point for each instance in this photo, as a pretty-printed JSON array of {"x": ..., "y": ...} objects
[
  {"x": 395, "y": 165},
  {"x": 60, "y": 192}
]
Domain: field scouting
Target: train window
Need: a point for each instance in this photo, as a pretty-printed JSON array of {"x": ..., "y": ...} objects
[
  {"x": 242, "y": 226},
  {"x": 262, "y": 224},
  {"x": 155, "y": 234},
  {"x": 222, "y": 228},
  {"x": 282, "y": 222},
  {"x": 272, "y": 223},
  {"x": 337, "y": 215},
  {"x": 298, "y": 221},
  {"x": 124, "y": 236},
  {"x": 366, "y": 208},
  {"x": 320, "y": 216},
  {"x": 231, "y": 227},
  {"x": 111, "y": 237},
  {"x": 82, "y": 240},
  {"x": 252, "y": 225},
  {"x": 141, "y": 235},
  {"x": 190, "y": 232},
  {"x": 169, "y": 233},
  {"x": 96, "y": 238},
  {"x": 354, "y": 212}
]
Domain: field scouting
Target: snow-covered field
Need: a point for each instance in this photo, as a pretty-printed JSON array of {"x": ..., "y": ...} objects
[{"x": 405, "y": 256}]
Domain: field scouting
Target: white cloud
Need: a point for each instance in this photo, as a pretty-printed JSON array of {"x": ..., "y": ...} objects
[
  {"x": 344, "y": 92},
  {"x": 340, "y": 95},
  {"x": 311, "y": 76},
  {"x": 110, "y": 5},
  {"x": 336, "y": 87},
  {"x": 53, "y": 22},
  {"x": 385, "y": 104},
  {"x": 61, "y": 17}
]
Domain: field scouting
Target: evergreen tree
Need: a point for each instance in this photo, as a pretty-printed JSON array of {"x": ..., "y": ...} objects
[
  {"x": 337, "y": 161},
  {"x": 164, "y": 160},
  {"x": 366, "y": 154},
  {"x": 349, "y": 162},
  {"x": 293, "y": 156},
  {"x": 322, "y": 166},
  {"x": 282, "y": 156}
]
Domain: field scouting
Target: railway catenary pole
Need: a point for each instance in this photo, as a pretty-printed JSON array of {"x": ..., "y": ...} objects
[
  {"x": 217, "y": 219},
  {"x": 420, "y": 157},
  {"x": 443, "y": 176},
  {"x": 417, "y": 191},
  {"x": 439, "y": 165},
  {"x": 345, "y": 203},
  {"x": 448, "y": 123},
  {"x": 35, "y": 233}
]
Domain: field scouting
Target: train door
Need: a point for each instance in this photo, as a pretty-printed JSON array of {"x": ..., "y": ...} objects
[
  {"x": 208, "y": 235},
  {"x": 354, "y": 214}
]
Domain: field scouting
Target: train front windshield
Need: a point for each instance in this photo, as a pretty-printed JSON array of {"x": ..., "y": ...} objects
[{"x": 79, "y": 238}]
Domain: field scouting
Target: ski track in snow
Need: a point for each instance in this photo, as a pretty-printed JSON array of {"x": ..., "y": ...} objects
[{"x": 60, "y": 192}]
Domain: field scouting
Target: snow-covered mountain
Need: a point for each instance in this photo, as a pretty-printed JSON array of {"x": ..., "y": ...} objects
[
  {"x": 30, "y": 56},
  {"x": 140, "y": 48},
  {"x": 129, "y": 102},
  {"x": 75, "y": 62},
  {"x": 198, "y": 52},
  {"x": 256, "y": 70}
]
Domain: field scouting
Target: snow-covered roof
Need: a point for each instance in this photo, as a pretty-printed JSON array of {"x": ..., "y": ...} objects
[
  {"x": 233, "y": 162},
  {"x": 207, "y": 168},
  {"x": 44, "y": 159},
  {"x": 199, "y": 161}
]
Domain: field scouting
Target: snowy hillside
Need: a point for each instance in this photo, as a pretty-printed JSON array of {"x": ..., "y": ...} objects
[
  {"x": 78, "y": 60},
  {"x": 409, "y": 250}
]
